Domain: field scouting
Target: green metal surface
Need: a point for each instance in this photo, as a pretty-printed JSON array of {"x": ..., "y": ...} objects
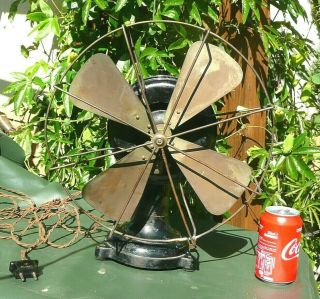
[
  {"x": 15, "y": 177},
  {"x": 227, "y": 259},
  {"x": 11, "y": 150}
]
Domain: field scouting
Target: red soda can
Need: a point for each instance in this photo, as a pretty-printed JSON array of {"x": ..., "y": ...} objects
[{"x": 278, "y": 245}]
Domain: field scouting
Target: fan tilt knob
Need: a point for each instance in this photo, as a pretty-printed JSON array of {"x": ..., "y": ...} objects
[{"x": 159, "y": 140}]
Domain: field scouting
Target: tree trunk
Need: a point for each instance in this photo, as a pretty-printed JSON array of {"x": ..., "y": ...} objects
[{"x": 250, "y": 45}]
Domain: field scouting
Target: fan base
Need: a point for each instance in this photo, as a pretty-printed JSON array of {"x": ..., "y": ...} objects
[{"x": 147, "y": 255}]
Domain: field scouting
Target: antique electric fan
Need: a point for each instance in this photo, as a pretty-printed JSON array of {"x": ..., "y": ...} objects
[{"x": 165, "y": 129}]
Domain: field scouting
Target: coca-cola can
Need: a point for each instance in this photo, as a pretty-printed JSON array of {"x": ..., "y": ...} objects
[{"x": 278, "y": 245}]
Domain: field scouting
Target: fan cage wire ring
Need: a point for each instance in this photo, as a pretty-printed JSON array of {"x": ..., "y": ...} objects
[{"x": 269, "y": 114}]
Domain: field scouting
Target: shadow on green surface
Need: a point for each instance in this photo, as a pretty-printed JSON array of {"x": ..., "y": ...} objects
[{"x": 225, "y": 244}]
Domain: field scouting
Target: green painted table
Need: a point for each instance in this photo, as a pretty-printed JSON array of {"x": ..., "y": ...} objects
[{"x": 227, "y": 259}]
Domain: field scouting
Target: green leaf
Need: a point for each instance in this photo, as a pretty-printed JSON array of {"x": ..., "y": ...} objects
[
  {"x": 245, "y": 10},
  {"x": 222, "y": 146},
  {"x": 25, "y": 141},
  {"x": 303, "y": 168},
  {"x": 291, "y": 167},
  {"x": 170, "y": 68},
  {"x": 87, "y": 135},
  {"x": 279, "y": 162},
  {"x": 267, "y": 202},
  {"x": 101, "y": 3},
  {"x": 265, "y": 40},
  {"x": 13, "y": 87},
  {"x": 227, "y": 214},
  {"x": 153, "y": 63},
  {"x": 24, "y": 51},
  {"x": 310, "y": 150},
  {"x": 39, "y": 82},
  {"x": 144, "y": 71},
  {"x": 279, "y": 115},
  {"x": 36, "y": 16},
  {"x": 45, "y": 8},
  {"x": 194, "y": 13},
  {"x": 85, "y": 11},
  {"x": 55, "y": 27},
  {"x": 137, "y": 46},
  {"x": 297, "y": 59},
  {"x": 161, "y": 25},
  {"x": 19, "y": 76},
  {"x": 307, "y": 92},
  {"x": 28, "y": 96},
  {"x": 212, "y": 14},
  {"x": 171, "y": 14},
  {"x": 13, "y": 9},
  {"x": 149, "y": 52},
  {"x": 44, "y": 65},
  {"x": 19, "y": 97},
  {"x": 182, "y": 31},
  {"x": 42, "y": 29},
  {"x": 273, "y": 37},
  {"x": 255, "y": 152},
  {"x": 255, "y": 9},
  {"x": 162, "y": 54},
  {"x": 316, "y": 79},
  {"x": 32, "y": 70},
  {"x": 119, "y": 5},
  {"x": 179, "y": 44},
  {"x": 67, "y": 104},
  {"x": 316, "y": 119},
  {"x": 288, "y": 144},
  {"x": 299, "y": 141},
  {"x": 173, "y": 2}
]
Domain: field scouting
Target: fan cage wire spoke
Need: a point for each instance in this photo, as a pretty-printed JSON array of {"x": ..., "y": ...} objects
[
  {"x": 132, "y": 192},
  {"x": 237, "y": 111},
  {"x": 103, "y": 156},
  {"x": 214, "y": 35},
  {"x": 89, "y": 152},
  {"x": 204, "y": 39},
  {"x": 221, "y": 122},
  {"x": 137, "y": 68},
  {"x": 101, "y": 110},
  {"x": 257, "y": 184},
  {"x": 188, "y": 211},
  {"x": 175, "y": 195},
  {"x": 216, "y": 171}
]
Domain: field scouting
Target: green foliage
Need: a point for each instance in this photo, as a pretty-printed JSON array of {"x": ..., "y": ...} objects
[
  {"x": 315, "y": 10},
  {"x": 75, "y": 24},
  {"x": 292, "y": 177}
]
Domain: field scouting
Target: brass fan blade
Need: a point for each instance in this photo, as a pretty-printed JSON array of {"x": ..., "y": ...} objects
[
  {"x": 101, "y": 84},
  {"x": 110, "y": 191},
  {"x": 214, "y": 74},
  {"x": 216, "y": 192}
]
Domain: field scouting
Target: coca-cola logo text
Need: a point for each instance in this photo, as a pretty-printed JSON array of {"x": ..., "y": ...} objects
[{"x": 291, "y": 250}]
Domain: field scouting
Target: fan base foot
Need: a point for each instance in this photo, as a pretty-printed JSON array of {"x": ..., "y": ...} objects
[{"x": 147, "y": 255}]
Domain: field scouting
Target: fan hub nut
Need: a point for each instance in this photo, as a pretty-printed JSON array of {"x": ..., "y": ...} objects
[{"x": 159, "y": 140}]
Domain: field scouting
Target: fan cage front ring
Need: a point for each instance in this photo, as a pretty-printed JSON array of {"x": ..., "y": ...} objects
[{"x": 269, "y": 114}]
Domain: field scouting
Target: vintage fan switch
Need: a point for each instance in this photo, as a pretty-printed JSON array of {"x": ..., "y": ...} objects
[{"x": 24, "y": 269}]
